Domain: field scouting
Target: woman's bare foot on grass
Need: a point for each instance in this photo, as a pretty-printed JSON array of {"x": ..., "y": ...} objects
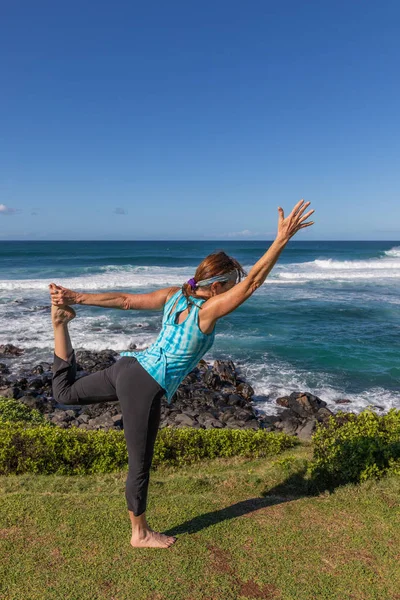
[
  {"x": 151, "y": 539},
  {"x": 61, "y": 315}
]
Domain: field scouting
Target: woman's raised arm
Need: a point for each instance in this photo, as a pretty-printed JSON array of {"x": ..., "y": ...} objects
[
  {"x": 152, "y": 301},
  {"x": 222, "y": 304}
]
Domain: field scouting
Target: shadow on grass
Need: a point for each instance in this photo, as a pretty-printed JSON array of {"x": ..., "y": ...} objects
[
  {"x": 351, "y": 459},
  {"x": 294, "y": 487}
]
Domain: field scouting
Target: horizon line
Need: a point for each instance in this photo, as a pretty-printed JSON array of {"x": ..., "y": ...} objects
[{"x": 195, "y": 240}]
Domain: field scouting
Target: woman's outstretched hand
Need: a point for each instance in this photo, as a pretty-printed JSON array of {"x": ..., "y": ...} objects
[
  {"x": 290, "y": 225},
  {"x": 61, "y": 295}
]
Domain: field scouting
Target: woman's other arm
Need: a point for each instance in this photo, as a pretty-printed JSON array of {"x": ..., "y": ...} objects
[
  {"x": 152, "y": 301},
  {"x": 222, "y": 304}
]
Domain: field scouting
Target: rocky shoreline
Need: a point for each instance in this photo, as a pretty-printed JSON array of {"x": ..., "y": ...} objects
[{"x": 211, "y": 396}]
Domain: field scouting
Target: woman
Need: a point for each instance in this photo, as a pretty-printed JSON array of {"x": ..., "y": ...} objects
[{"x": 139, "y": 380}]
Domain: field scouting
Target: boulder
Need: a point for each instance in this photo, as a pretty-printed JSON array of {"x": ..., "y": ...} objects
[
  {"x": 117, "y": 420},
  {"x": 212, "y": 379},
  {"x": 4, "y": 370},
  {"x": 9, "y": 350},
  {"x": 245, "y": 390},
  {"x": 305, "y": 431},
  {"x": 251, "y": 424},
  {"x": 94, "y": 361},
  {"x": 304, "y": 405},
  {"x": 10, "y": 392},
  {"x": 235, "y": 400},
  {"x": 323, "y": 414},
  {"x": 212, "y": 424},
  {"x": 37, "y": 402},
  {"x": 225, "y": 371},
  {"x": 283, "y": 401},
  {"x": 102, "y": 422},
  {"x": 185, "y": 420},
  {"x": 36, "y": 383}
]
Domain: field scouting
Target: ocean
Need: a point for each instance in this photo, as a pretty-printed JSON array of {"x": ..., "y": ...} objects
[{"x": 326, "y": 321}]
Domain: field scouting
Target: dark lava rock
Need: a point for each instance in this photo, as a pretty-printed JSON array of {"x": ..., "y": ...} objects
[
  {"x": 41, "y": 368},
  {"x": 10, "y": 392},
  {"x": 37, "y": 402},
  {"x": 305, "y": 431},
  {"x": 301, "y": 413},
  {"x": 235, "y": 400},
  {"x": 209, "y": 397},
  {"x": 212, "y": 379},
  {"x": 4, "y": 370},
  {"x": 185, "y": 420},
  {"x": 94, "y": 361},
  {"x": 283, "y": 401},
  {"x": 226, "y": 371},
  {"x": 245, "y": 390},
  {"x": 10, "y": 350}
]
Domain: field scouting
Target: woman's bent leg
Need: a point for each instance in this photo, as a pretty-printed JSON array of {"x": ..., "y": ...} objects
[
  {"x": 90, "y": 389},
  {"x": 97, "y": 387},
  {"x": 140, "y": 399}
]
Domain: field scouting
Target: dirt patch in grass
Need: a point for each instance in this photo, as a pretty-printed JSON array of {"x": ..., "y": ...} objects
[
  {"x": 251, "y": 589},
  {"x": 222, "y": 563},
  {"x": 221, "y": 560},
  {"x": 10, "y": 532},
  {"x": 56, "y": 554}
]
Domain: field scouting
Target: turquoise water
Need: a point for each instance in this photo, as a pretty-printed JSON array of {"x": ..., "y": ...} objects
[{"x": 327, "y": 320}]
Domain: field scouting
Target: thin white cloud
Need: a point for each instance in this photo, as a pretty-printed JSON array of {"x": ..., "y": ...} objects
[
  {"x": 6, "y": 210},
  {"x": 120, "y": 211}
]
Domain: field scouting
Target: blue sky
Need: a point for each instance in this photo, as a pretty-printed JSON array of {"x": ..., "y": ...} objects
[{"x": 184, "y": 120}]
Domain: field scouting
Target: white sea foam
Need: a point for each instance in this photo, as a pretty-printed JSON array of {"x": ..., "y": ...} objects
[
  {"x": 275, "y": 379},
  {"x": 32, "y": 331},
  {"x": 136, "y": 277},
  {"x": 345, "y": 270},
  {"x": 111, "y": 277},
  {"x": 393, "y": 252},
  {"x": 355, "y": 265}
]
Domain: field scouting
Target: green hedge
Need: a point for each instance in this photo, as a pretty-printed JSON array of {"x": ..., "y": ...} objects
[
  {"x": 28, "y": 448},
  {"x": 349, "y": 448},
  {"x": 13, "y": 410},
  {"x": 353, "y": 448}
]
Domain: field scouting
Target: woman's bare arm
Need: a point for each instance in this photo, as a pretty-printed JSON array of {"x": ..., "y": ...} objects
[
  {"x": 152, "y": 301},
  {"x": 222, "y": 304}
]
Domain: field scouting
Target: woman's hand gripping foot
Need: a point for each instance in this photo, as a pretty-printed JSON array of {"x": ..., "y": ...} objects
[{"x": 61, "y": 314}]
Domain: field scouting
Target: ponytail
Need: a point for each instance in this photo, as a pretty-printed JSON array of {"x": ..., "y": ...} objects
[{"x": 213, "y": 265}]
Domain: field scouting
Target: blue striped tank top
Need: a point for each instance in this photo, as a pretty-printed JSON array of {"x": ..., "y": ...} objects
[{"x": 178, "y": 347}]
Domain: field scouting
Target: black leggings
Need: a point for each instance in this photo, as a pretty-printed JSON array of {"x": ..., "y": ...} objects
[{"x": 139, "y": 395}]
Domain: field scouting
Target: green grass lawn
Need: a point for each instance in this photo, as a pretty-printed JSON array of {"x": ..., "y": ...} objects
[{"x": 246, "y": 529}]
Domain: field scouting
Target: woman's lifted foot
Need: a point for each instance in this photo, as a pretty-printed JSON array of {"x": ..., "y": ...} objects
[
  {"x": 148, "y": 538},
  {"x": 61, "y": 315}
]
